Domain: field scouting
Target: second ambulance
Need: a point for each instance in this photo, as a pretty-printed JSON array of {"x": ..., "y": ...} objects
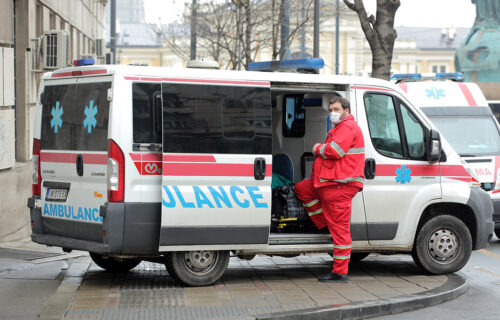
[{"x": 461, "y": 113}]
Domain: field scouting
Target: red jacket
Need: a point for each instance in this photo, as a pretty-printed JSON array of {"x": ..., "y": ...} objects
[{"x": 341, "y": 159}]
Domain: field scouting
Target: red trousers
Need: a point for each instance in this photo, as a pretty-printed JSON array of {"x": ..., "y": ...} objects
[{"x": 331, "y": 206}]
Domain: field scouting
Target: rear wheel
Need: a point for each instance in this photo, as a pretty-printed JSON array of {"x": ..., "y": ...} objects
[
  {"x": 497, "y": 232},
  {"x": 114, "y": 264},
  {"x": 443, "y": 245},
  {"x": 197, "y": 268}
]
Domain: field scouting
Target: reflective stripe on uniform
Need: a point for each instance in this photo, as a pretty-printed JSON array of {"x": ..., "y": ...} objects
[
  {"x": 341, "y": 257},
  {"x": 315, "y": 212},
  {"x": 322, "y": 150},
  {"x": 347, "y": 246},
  {"x": 355, "y": 179},
  {"x": 337, "y": 148},
  {"x": 310, "y": 204},
  {"x": 356, "y": 151}
]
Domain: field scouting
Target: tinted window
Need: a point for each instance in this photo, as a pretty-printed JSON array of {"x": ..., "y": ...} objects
[
  {"x": 75, "y": 117},
  {"x": 57, "y": 117},
  {"x": 383, "y": 125},
  {"x": 147, "y": 112},
  {"x": 414, "y": 134},
  {"x": 294, "y": 116},
  {"x": 216, "y": 119}
]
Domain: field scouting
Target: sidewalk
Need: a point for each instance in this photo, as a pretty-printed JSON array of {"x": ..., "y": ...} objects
[{"x": 265, "y": 288}]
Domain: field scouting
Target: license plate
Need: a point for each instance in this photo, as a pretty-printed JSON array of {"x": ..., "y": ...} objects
[{"x": 57, "y": 194}]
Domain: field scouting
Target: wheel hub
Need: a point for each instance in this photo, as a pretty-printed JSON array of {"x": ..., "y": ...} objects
[
  {"x": 443, "y": 245},
  {"x": 200, "y": 261}
]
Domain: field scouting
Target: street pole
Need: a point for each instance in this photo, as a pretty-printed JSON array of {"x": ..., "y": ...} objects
[
  {"x": 337, "y": 19},
  {"x": 303, "y": 31},
  {"x": 316, "y": 29},
  {"x": 194, "y": 17},
  {"x": 285, "y": 30},
  {"x": 112, "y": 42}
]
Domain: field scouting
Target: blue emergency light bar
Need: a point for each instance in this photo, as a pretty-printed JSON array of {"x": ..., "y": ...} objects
[
  {"x": 84, "y": 62},
  {"x": 308, "y": 63},
  {"x": 455, "y": 76}
]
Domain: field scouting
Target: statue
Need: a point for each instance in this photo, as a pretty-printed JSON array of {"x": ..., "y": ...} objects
[{"x": 478, "y": 57}]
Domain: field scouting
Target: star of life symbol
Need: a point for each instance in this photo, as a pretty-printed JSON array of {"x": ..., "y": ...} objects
[
  {"x": 56, "y": 121},
  {"x": 435, "y": 93},
  {"x": 403, "y": 174},
  {"x": 90, "y": 113}
]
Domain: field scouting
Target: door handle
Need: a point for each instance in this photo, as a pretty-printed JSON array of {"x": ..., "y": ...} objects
[
  {"x": 79, "y": 164},
  {"x": 370, "y": 168},
  {"x": 259, "y": 169}
]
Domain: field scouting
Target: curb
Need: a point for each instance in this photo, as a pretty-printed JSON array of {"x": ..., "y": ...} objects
[
  {"x": 454, "y": 287},
  {"x": 61, "y": 300}
]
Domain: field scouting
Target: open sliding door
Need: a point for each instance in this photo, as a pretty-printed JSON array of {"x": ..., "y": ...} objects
[{"x": 216, "y": 183}]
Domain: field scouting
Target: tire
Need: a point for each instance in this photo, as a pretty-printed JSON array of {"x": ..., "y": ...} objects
[
  {"x": 443, "y": 245},
  {"x": 497, "y": 232},
  {"x": 114, "y": 264},
  {"x": 197, "y": 268}
]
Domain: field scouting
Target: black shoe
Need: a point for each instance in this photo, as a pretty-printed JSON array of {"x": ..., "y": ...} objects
[{"x": 333, "y": 277}]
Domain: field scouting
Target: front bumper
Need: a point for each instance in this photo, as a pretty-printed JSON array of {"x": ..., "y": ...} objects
[
  {"x": 481, "y": 204},
  {"x": 127, "y": 229}
]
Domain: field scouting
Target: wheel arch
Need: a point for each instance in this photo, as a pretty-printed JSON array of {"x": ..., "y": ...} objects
[{"x": 458, "y": 210}]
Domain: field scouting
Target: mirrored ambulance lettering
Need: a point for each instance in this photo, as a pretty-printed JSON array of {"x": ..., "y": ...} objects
[{"x": 213, "y": 197}]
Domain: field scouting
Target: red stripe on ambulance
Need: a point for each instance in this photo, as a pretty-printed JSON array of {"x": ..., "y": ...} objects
[
  {"x": 467, "y": 94},
  {"x": 211, "y": 169},
  {"x": 88, "y": 158},
  {"x": 188, "y": 158}
]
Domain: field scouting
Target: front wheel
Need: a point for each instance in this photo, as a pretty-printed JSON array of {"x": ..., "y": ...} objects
[
  {"x": 114, "y": 264},
  {"x": 443, "y": 245},
  {"x": 197, "y": 268}
]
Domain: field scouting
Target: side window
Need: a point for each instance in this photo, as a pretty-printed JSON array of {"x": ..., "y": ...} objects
[
  {"x": 383, "y": 125},
  {"x": 294, "y": 116},
  {"x": 146, "y": 104},
  {"x": 216, "y": 119},
  {"x": 414, "y": 133}
]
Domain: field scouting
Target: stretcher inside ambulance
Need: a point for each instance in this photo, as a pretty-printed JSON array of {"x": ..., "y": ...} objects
[
  {"x": 175, "y": 166},
  {"x": 461, "y": 113}
]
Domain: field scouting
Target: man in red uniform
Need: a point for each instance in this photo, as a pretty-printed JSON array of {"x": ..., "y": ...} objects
[{"x": 337, "y": 176}]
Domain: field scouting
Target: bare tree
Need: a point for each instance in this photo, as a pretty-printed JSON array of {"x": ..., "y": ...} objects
[{"x": 380, "y": 33}]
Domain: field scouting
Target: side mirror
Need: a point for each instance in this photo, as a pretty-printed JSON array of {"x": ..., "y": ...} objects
[{"x": 434, "y": 147}]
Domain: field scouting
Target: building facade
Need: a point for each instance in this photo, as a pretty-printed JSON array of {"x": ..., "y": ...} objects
[{"x": 25, "y": 28}]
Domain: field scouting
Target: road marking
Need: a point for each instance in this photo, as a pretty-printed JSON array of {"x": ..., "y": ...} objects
[
  {"x": 487, "y": 272},
  {"x": 489, "y": 253}
]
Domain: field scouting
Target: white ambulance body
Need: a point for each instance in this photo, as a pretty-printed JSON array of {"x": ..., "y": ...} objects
[
  {"x": 463, "y": 116},
  {"x": 175, "y": 165}
]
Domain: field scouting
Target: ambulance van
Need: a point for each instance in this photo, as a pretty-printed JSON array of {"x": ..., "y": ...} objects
[
  {"x": 461, "y": 113},
  {"x": 175, "y": 166}
]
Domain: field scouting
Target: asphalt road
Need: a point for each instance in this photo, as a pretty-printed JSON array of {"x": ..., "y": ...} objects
[{"x": 481, "y": 301}]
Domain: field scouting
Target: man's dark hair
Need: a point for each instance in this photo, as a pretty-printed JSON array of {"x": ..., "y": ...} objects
[{"x": 343, "y": 102}]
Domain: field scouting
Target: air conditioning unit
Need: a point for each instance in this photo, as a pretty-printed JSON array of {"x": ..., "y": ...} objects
[
  {"x": 56, "y": 49},
  {"x": 100, "y": 50}
]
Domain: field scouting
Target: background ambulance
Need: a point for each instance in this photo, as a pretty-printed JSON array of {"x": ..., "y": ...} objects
[
  {"x": 461, "y": 113},
  {"x": 174, "y": 166}
]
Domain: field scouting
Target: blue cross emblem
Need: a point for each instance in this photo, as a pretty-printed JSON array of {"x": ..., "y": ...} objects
[
  {"x": 90, "y": 113},
  {"x": 435, "y": 93},
  {"x": 403, "y": 175},
  {"x": 56, "y": 121}
]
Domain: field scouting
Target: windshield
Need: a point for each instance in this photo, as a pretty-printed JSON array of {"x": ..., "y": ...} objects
[{"x": 471, "y": 135}]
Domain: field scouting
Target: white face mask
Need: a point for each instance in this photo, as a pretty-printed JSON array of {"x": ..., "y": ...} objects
[{"x": 334, "y": 117}]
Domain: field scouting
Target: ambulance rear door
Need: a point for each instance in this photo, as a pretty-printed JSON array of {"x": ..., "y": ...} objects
[
  {"x": 73, "y": 156},
  {"x": 216, "y": 179}
]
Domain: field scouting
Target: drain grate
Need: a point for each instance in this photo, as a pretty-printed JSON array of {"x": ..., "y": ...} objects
[{"x": 15, "y": 254}]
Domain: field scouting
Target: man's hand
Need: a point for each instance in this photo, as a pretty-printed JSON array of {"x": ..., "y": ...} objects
[{"x": 314, "y": 148}]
